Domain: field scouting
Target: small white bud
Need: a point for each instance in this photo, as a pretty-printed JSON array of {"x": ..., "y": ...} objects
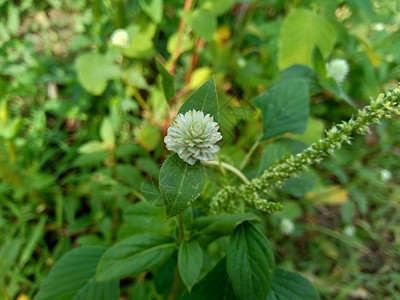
[
  {"x": 349, "y": 230},
  {"x": 386, "y": 175},
  {"x": 287, "y": 226},
  {"x": 337, "y": 69},
  {"x": 120, "y": 38}
]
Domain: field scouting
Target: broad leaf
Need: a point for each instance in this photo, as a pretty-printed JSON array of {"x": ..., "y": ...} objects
[
  {"x": 202, "y": 21},
  {"x": 94, "y": 70},
  {"x": 142, "y": 218},
  {"x": 204, "y": 98},
  {"x": 300, "y": 31},
  {"x": 250, "y": 262},
  {"x": 212, "y": 286},
  {"x": 168, "y": 83},
  {"x": 180, "y": 184},
  {"x": 291, "y": 286},
  {"x": 190, "y": 261},
  {"x": 285, "y": 107},
  {"x": 304, "y": 73},
  {"x": 300, "y": 185},
  {"x": 134, "y": 255},
  {"x": 73, "y": 277},
  {"x": 153, "y": 8},
  {"x": 208, "y": 229},
  {"x": 275, "y": 151}
]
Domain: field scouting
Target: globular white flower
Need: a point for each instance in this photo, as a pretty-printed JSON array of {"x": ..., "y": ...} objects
[
  {"x": 120, "y": 38},
  {"x": 287, "y": 226},
  {"x": 349, "y": 230},
  {"x": 386, "y": 175},
  {"x": 193, "y": 136},
  {"x": 337, "y": 69}
]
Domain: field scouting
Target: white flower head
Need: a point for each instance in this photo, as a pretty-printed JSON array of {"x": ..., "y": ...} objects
[
  {"x": 120, "y": 38},
  {"x": 337, "y": 69},
  {"x": 193, "y": 136},
  {"x": 287, "y": 226},
  {"x": 349, "y": 230},
  {"x": 386, "y": 175}
]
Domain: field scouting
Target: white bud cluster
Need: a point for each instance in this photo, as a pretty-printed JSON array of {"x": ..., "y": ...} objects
[{"x": 193, "y": 136}]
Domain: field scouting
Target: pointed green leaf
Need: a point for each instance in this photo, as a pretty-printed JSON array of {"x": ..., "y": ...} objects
[
  {"x": 73, "y": 277},
  {"x": 211, "y": 286},
  {"x": 190, "y": 261},
  {"x": 208, "y": 229},
  {"x": 250, "y": 262},
  {"x": 318, "y": 62},
  {"x": 168, "y": 79},
  {"x": 291, "y": 286},
  {"x": 204, "y": 98},
  {"x": 180, "y": 184},
  {"x": 153, "y": 8},
  {"x": 134, "y": 255},
  {"x": 285, "y": 106},
  {"x": 309, "y": 29}
]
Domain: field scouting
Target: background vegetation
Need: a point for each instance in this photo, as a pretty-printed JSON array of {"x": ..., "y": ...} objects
[{"x": 82, "y": 123}]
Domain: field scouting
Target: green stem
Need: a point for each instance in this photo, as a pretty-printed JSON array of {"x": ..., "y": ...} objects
[
  {"x": 228, "y": 167},
  {"x": 177, "y": 276},
  {"x": 181, "y": 228},
  {"x": 96, "y": 10},
  {"x": 249, "y": 154},
  {"x": 120, "y": 15}
]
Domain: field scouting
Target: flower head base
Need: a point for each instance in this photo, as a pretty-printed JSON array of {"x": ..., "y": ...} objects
[
  {"x": 337, "y": 69},
  {"x": 120, "y": 38},
  {"x": 193, "y": 136}
]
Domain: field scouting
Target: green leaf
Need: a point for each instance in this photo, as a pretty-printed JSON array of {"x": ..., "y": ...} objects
[
  {"x": 275, "y": 151},
  {"x": 309, "y": 29},
  {"x": 91, "y": 147},
  {"x": 211, "y": 287},
  {"x": 94, "y": 70},
  {"x": 291, "y": 286},
  {"x": 180, "y": 184},
  {"x": 208, "y": 229},
  {"x": 143, "y": 218},
  {"x": 34, "y": 236},
  {"x": 300, "y": 185},
  {"x": 168, "y": 81},
  {"x": 217, "y": 8},
  {"x": 8, "y": 254},
  {"x": 250, "y": 262},
  {"x": 153, "y": 8},
  {"x": 318, "y": 62},
  {"x": 134, "y": 255},
  {"x": 285, "y": 106},
  {"x": 190, "y": 261},
  {"x": 204, "y": 99},
  {"x": 107, "y": 132},
  {"x": 202, "y": 21},
  {"x": 302, "y": 72},
  {"x": 72, "y": 277}
]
